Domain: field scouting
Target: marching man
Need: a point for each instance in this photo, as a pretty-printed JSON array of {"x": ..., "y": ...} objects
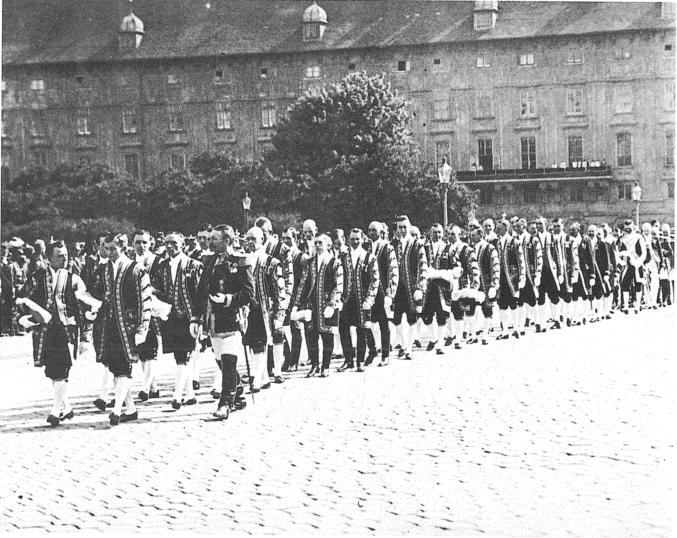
[
  {"x": 52, "y": 295},
  {"x": 489, "y": 273},
  {"x": 437, "y": 302},
  {"x": 179, "y": 279},
  {"x": 513, "y": 277}
]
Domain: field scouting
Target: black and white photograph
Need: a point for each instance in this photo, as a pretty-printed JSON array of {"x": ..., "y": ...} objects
[{"x": 338, "y": 267}]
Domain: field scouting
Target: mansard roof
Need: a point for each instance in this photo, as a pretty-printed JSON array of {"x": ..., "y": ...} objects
[{"x": 49, "y": 31}]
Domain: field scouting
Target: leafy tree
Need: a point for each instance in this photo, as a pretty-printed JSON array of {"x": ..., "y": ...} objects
[{"x": 345, "y": 155}]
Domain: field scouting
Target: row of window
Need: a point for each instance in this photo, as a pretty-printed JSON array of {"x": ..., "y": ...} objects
[
  {"x": 485, "y": 151},
  {"x": 222, "y": 76},
  {"x": 534, "y": 193},
  {"x": 444, "y": 105}
]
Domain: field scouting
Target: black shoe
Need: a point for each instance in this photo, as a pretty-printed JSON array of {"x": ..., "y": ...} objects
[
  {"x": 154, "y": 394},
  {"x": 431, "y": 346},
  {"x": 439, "y": 352},
  {"x": 53, "y": 421},
  {"x": 523, "y": 333},
  {"x": 407, "y": 357},
  {"x": 143, "y": 395},
  {"x": 278, "y": 379},
  {"x": 196, "y": 385},
  {"x": 111, "y": 404},
  {"x": 128, "y": 418},
  {"x": 313, "y": 370},
  {"x": 114, "y": 419},
  {"x": 254, "y": 391},
  {"x": 100, "y": 404},
  {"x": 285, "y": 367},
  {"x": 516, "y": 334},
  {"x": 448, "y": 341},
  {"x": 384, "y": 361},
  {"x": 458, "y": 345},
  {"x": 359, "y": 368},
  {"x": 400, "y": 354},
  {"x": 556, "y": 325},
  {"x": 417, "y": 343},
  {"x": 67, "y": 416},
  {"x": 265, "y": 386},
  {"x": 346, "y": 366},
  {"x": 240, "y": 402},
  {"x": 192, "y": 401},
  {"x": 215, "y": 394},
  {"x": 176, "y": 405},
  {"x": 324, "y": 372},
  {"x": 370, "y": 357},
  {"x": 485, "y": 342}
]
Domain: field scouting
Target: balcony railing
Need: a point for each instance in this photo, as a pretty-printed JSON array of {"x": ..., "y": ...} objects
[{"x": 534, "y": 174}]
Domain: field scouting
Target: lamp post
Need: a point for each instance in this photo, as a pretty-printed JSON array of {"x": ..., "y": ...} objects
[
  {"x": 246, "y": 206},
  {"x": 637, "y": 198},
  {"x": 444, "y": 174}
]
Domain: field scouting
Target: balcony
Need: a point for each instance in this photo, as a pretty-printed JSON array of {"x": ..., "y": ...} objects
[{"x": 536, "y": 175}]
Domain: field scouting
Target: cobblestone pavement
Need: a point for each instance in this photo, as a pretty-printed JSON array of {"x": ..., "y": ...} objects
[{"x": 567, "y": 433}]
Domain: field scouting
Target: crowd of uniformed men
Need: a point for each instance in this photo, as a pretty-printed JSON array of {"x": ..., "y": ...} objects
[{"x": 257, "y": 298}]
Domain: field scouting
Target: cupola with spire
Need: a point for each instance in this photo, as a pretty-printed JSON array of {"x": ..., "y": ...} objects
[
  {"x": 314, "y": 22},
  {"x": 131, "y": 31}
]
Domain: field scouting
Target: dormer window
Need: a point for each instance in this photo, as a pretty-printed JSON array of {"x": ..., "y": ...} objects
[
  {"x": 130, "y": 33},
  {"x": 403, "y": 66},
  {"x": 313, "y": 71},
  {"x": 172, "y": 79},
  {"x": 314, "y": 22},
  {"x": 485, "y": 13},
  {"x": 37, "y": 85},
  {"x": 263, "y": 72}
]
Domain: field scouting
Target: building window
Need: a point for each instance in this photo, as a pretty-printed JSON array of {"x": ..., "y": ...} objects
[
  {"x": 4, "y": 133},
  {"x": 483, "y": 61},
  {"x": 622, "y": 52},
  {"x": 268, "y": 114},
  {"x": 485, "y": 152},
  {"x": 84, "y": 125},
  {"x": 4, "y": 85},
  {"x": 403, "y": 65},
  {"x": 668, "y": 50},
  {"x": 441, "y": 151},
  {"x": 172, "y": 79},
  {"x": 575, "y": 101},
  {"x": 37, "y": 84},
  {"x": 263, "y": 72},
  {"x": 577, "y": 193},
  {"x": 575, "y": 57},
  {"x": 527, "y": 102},
  {"x": 531, "y": 193},
  {"x": 352, "y": 66},
  {"x": 176, "y": 121},
  {"x": 36, "y": 126},
  {"x": 528, "y": 150},
  {"x": 132, "y": 165},
  {"x": 438, "y": 66},
  {"x": 671, "y": 189},
  {"x": 625, "y": 191},
  {"x": 313, "y": 71},
  {"x": 311, "y": 32},
  {"x": 669, "y": 148},
  {"x": 222, "y": 116},
  {"x": 484, "y": 105},
  {"x": 129, "y": 121},
  {"x": 483, "y": 21},
  {"x": 622, "y": 99},
  {"x": 526, "y": 58},
  {"x": 442, "y": 106},
  {"x": 669, "y": 93},
  {"x": 177, "y": 161},
  {"x": 575, "y": 149},
  {"x": 40, "y": 158},
  {"x": 219, "y": 76},
  {"x": 624, "y": 149}
]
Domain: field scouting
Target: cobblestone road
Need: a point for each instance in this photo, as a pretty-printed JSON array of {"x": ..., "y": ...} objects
[{"x": 567, "y": 433}]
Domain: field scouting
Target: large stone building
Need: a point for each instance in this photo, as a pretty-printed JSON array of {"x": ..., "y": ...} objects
[{"x": 545, "y": 107}]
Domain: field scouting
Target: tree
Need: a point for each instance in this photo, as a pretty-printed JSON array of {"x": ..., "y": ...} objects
[{"x": 344, "y": 155}]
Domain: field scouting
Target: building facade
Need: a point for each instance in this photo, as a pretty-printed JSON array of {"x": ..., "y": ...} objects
[{"x": 554, "y": 108}]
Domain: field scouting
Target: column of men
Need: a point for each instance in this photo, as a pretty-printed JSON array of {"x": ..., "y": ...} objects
[{"x": 258, "y": 298}]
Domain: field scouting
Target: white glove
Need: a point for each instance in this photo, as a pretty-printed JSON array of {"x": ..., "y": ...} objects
[
  {"x": 277, "y": 324},
  {"x": 222, "y": 298},
  {"x": 366, "y": 305},
  {"x": 457, "y": 272},
  {"x": 194, "y": 329},
  {"x": 26, "y": 322},
  {"x": 606, "y": 279},
  {"x": 491, "y": 293},
  {"x": 592, "y": 282},
  {"x": 561, "y": 279},
  {"x": 418, "y": 295},
  {"x": 139, "y": 339},
  {"x": 328, "y": 312},
  {"x": 387, "y": 303},
  {"x": 522, "y": 284},
  {"x": 537, "y": 282},
  {"x": 308, "y": 314},
  {"x": 90, "y": 315}
]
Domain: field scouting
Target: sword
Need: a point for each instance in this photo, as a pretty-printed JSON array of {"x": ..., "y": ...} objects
[{"x": 244, "y": 315}]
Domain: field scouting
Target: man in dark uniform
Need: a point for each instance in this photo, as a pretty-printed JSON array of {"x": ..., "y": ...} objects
[
  {"x": 389, "y": 275},
  {"x": 489, "y": 273},
  {"x": 586, "y": 277},
  {"x": 342, "y": 253},
  {"x": 513, "y": 277},
  {"x": 551, "y": 277},
  {"x": 299, "y": 267},
  {"x": 437, "y": 303},
  {"x": 224, "y": 293},
  {"x": 357, "y": 309},
  {"x": 178, "y": 287},
  {"x": 58, "y": 293},
  {"x": 124, "y": 320}
]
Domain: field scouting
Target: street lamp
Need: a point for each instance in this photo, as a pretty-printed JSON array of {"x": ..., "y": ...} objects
[
  {"x": 637, "y": 198},
  {"x": 246, "y": 206},
  {"x": 444, "y": 174}
]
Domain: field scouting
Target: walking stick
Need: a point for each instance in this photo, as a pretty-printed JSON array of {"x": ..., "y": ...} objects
[{"x": 244, "y": 316}]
